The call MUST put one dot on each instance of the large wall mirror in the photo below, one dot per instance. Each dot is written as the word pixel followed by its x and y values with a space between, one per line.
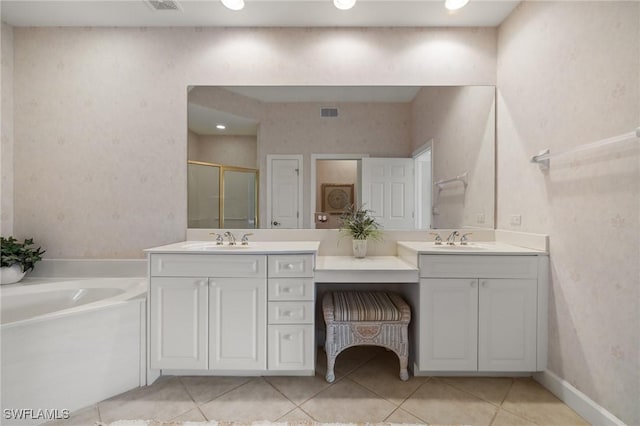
pixel 419 157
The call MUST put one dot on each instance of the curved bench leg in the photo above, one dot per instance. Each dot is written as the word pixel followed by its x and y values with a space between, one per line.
pixel 331 361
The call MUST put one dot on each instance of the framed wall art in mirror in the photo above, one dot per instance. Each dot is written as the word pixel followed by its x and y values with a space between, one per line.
pixel 336 197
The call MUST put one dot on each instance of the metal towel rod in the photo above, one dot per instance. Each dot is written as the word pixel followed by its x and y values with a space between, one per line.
pixel 543 158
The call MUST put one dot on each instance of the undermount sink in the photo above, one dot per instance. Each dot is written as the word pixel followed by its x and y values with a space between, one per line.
pixel 213 246
pixel 469 247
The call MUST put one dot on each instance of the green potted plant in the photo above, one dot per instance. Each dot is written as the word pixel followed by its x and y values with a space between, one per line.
pixel 17 259
pixel 358 223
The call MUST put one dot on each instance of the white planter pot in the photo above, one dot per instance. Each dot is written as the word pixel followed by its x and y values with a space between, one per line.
pixel 359 248
pixel 11 274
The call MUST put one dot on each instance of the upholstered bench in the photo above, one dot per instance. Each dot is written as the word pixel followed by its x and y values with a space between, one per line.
pixel 375 318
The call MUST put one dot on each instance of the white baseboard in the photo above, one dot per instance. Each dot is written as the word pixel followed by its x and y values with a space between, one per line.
pixel 579 402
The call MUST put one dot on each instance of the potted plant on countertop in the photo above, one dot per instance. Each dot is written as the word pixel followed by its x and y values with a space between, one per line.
pixel 17 259
pixel 358 223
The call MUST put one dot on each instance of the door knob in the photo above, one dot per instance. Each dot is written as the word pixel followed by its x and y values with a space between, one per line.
pixel 275 223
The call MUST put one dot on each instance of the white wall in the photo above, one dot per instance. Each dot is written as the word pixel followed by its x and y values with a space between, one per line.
pixel 569 74
pixel 102 175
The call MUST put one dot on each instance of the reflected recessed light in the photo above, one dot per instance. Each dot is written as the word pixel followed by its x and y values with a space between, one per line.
pixel 455 4
pixel 344 4
pixel 233 4
pixel 221 126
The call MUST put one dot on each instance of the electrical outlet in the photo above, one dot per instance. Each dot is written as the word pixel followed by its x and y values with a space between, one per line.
pixel 516 220
pixel 480 218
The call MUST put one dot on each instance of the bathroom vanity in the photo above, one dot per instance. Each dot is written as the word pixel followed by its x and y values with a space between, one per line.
pixel 482 307
pixel 231 310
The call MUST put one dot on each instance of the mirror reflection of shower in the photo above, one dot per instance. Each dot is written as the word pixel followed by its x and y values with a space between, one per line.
pixel 222 196
pixel 222 181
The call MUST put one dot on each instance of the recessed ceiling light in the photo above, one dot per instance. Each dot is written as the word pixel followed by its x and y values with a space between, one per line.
pixel 455 4
pixel 221 126
pixel 344 4
pixel 234 4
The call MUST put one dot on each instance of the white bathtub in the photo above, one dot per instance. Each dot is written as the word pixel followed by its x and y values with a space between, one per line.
pixel 67 344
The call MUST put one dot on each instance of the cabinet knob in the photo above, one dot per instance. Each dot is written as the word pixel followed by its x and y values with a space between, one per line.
pixel 286 313
pixel 472 284
pixel 484 284
pixel 213 283
pixel 286 337
pixel 286 289
pixel 288 266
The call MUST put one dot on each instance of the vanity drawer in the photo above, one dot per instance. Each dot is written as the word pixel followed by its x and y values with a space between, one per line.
pixel 478 266
pixel 207 265
pixel 296 265
pixel 290 289
pixel 290 312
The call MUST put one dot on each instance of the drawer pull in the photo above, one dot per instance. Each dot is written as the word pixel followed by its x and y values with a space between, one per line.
pixel 286 290
pixel 286 313
pixel 287 337
pixel 288 266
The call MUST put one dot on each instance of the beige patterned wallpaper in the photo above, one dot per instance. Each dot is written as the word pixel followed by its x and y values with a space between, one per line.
pixel 6 130
pixel 461 122
pixel 569 74
pixel 100 143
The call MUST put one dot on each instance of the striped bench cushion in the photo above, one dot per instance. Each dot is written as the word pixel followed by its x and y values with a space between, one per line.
pixel 364 306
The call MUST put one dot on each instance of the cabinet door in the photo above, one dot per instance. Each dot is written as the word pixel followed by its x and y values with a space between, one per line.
pixel 507 325
pixel 291 347
pixel 448 324
pixel 238 323
pixel 179 321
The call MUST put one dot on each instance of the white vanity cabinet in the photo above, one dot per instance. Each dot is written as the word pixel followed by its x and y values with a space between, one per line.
pixel 208 311
pixel 291 313
pixel 482 313
pixel 232 313
pixel 179 322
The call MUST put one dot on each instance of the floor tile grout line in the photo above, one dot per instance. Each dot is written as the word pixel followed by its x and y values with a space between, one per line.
pixel 506 395
pixel 279 391
pixel 413 393
pixel 250 379
pixel 186 389
pixel 478 396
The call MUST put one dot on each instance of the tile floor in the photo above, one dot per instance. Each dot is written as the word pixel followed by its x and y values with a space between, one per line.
pixel 367 389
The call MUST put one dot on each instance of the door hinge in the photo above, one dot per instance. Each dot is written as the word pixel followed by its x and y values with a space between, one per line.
pixel 297 171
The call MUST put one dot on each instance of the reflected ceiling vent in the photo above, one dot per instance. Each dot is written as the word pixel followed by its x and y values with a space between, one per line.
pixel 163 4
pixel 328 112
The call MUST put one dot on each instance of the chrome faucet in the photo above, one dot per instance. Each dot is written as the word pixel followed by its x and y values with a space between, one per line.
pixel 245 239
pixel 219 239
pixel 232 238
pixel 438 240
pixel 464 240
pixel 451 239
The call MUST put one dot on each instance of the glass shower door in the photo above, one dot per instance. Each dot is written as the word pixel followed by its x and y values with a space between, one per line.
pixel 203 199
pixel 240 198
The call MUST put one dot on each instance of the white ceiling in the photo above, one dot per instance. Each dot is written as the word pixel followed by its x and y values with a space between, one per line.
pixel 203 121
pixel 257 13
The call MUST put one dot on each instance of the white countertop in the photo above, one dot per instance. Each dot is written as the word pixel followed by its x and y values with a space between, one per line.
pixel 473 248
pixel 254 247
pixel 371 269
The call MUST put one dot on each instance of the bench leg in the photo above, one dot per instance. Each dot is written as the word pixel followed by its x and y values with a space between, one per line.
pixel 404 374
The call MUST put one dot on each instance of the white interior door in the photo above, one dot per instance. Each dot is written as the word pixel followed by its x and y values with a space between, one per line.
pixel 388 191
pixel 285 192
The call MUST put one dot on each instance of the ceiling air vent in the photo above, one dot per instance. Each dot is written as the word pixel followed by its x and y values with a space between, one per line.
pixel 163 5
pixel 328 112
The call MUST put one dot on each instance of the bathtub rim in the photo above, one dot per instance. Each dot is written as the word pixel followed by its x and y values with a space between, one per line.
pixel 136 290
